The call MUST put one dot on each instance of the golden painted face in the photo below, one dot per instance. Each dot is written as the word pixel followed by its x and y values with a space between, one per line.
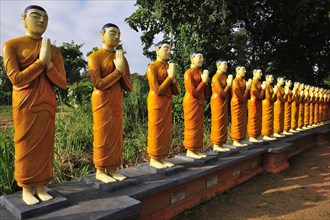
pixel 280 81
pixel 35 21
pixel 288 83
pixel 223 66
pixel 258 74
pixel 270 79
pixel 241 71
pixel 111 37
pixel 164 52
pixel 197 60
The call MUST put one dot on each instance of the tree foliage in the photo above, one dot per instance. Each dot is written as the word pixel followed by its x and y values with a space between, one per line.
pixel 290 38
pixel 74 61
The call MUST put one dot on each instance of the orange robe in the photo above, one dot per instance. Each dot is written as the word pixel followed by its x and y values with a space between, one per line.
pixel 316 110
pixel 34 106
pixel 306 111
pixel 287 112
pixel 311 110
pixel 279 110
pixel 107 108
pixel 327 110
pixel 193 109
pixel 321 109
pixel 268 111
pixel 238 106
pixel 160 109
pixel 301 111
pixel 295 111
pixel 219 108
pixel 255 109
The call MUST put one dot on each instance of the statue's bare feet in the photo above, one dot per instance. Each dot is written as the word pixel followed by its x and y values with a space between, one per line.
pixel 157 164
pixel 114 174
pixel 193 154
pixel 28 196
pixel 239 144
pixel 267 138
pixel 103 177
pixel 42 194
pixel 167 163
pixel 220 148
pixel 254 140
pixel 200 154
pixel 278 135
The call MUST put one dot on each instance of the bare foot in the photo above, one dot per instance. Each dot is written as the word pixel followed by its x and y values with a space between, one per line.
pixel 278 135
pixel 193 154
pixel 42 194
pixel 220 148
pixel 287 133
pixel 103 177
pixel 116 175
pixel 239 144
pixel 254 140
pixel 28 196
pixel 157 164
pixel 167 163
pixel 267 138
pixel 200 154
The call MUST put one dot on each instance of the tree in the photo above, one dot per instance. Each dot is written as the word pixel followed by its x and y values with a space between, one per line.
pixel 5 85
pixel 74 61
pixel 289 38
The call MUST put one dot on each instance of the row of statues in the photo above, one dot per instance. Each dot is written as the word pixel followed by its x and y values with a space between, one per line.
pixel 35 67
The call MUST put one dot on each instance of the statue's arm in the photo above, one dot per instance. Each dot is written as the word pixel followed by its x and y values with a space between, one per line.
pixel 17 76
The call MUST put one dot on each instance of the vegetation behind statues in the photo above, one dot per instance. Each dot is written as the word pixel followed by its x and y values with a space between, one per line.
pixel 280 37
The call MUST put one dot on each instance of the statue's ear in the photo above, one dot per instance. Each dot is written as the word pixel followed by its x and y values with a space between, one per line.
pixel 102 32
pixel 23 19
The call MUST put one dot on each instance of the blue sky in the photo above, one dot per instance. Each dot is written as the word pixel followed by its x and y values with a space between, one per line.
pixel 80 21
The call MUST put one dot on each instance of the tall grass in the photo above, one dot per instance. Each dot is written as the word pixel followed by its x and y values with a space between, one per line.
pixel 73 144
pixel 7 181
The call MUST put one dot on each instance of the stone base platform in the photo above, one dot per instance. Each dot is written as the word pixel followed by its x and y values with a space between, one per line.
pixel 149 193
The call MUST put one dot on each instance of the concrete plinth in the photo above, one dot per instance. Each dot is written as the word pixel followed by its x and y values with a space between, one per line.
pixel 196 162
pixel 16 206
pixel 162 172
pixel 150 193
pixel 91 180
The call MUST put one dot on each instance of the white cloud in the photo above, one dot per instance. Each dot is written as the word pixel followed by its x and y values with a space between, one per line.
pixel 80 21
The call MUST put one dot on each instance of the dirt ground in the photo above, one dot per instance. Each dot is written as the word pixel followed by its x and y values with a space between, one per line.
pixel 300 192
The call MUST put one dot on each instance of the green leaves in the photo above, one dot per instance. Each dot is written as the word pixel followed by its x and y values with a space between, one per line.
pixel 286 37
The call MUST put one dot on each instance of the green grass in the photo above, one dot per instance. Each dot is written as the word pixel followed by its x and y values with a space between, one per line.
pixel 7 182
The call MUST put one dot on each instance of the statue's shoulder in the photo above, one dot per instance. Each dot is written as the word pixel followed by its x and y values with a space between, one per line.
pixel 15 42
pixel 96 54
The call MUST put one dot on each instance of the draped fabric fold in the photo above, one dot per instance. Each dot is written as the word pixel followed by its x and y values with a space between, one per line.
pixel 219 108
pixel 34 105
pixel 107 108
pixel 255 109
pixel 238 107
pixel 287 112
pixel 268 112
pixel 160 110
pixel 193 109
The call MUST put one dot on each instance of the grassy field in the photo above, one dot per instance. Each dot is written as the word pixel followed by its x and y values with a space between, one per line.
pixel 74 142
